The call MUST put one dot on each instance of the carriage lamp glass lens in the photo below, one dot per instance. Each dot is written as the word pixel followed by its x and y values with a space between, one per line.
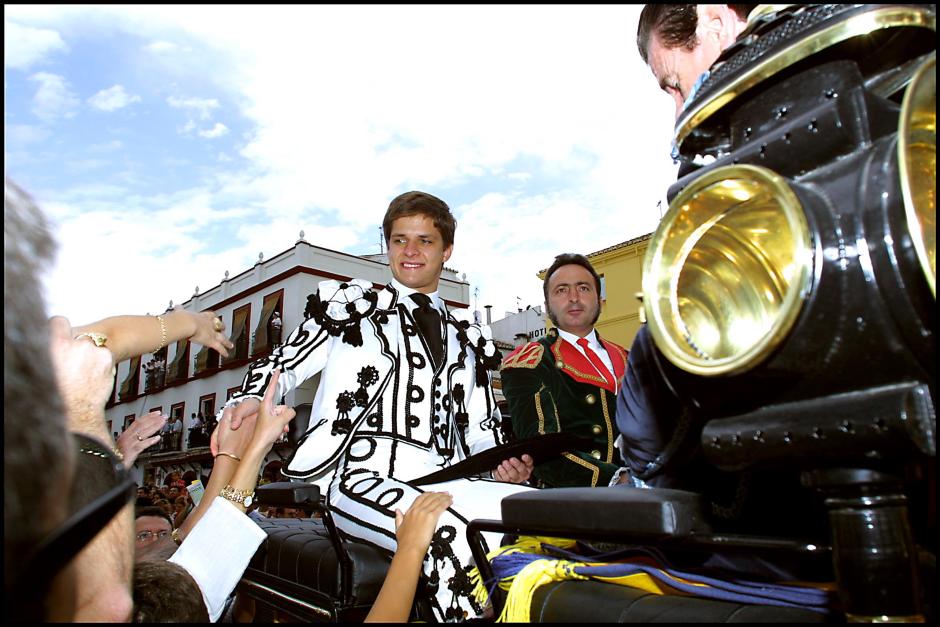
pixel 917 161
pixel 727 271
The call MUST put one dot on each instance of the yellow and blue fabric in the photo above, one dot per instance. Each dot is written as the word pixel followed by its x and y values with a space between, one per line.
pixel 523 567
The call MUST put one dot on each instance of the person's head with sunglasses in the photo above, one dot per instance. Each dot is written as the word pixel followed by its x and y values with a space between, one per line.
pixel 34 426
pixel 67 540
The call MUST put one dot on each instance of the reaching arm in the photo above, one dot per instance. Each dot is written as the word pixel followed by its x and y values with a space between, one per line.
pixel 231 442
pixel 303 355
pixel 414 530
pixel 272 422
pixel 130 336
pixel 144 434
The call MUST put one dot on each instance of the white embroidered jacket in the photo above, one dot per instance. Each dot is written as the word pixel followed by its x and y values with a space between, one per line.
pixel 378 381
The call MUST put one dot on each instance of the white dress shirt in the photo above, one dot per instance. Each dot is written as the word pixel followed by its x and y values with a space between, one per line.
pixel 404 292
pixel 593 344
pixel 217 550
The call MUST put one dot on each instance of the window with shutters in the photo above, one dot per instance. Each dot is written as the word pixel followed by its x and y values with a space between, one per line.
pixel 207 405
pixel 206 359
pixel 268 332
pixel 178 369
pixel 240 332
pixel 131 383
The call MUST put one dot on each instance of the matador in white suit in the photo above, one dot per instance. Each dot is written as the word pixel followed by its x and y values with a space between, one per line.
pixel 393 404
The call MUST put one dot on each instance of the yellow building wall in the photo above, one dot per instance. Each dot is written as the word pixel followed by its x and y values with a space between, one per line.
pixel 621 266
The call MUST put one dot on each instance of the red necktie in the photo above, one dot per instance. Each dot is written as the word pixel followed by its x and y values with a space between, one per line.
pixel 592 356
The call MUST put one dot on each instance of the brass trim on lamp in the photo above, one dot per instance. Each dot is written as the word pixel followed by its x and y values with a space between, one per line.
pixel 917 165
pixel 727 271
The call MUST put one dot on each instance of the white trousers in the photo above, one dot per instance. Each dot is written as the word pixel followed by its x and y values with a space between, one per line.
pixel 363 504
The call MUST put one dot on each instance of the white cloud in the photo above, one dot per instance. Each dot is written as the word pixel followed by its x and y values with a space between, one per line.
pixel 160 46
pixel 203 106
pixel 112 99
pixel 216 131
pixel 107 232
pixel 24 46
pixel 53 98
pixel 556 111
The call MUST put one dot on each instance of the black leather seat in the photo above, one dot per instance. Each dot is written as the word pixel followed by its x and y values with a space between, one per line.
pixel 300 550
pixel 298 572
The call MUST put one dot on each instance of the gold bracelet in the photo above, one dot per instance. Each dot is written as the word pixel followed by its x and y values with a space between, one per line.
pixel 235 457
pixel 162 332
pixel 117 453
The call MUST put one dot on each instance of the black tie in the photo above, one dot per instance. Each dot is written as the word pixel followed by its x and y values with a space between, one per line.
pixel 429 321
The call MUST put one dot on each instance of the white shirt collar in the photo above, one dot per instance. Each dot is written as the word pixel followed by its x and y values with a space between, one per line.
pixel 590 337
pixel 404 292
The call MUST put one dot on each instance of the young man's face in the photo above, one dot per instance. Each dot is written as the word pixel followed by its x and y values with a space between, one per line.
pixel 573 302
pixel 416 252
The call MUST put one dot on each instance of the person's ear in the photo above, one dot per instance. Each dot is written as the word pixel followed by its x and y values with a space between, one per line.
pixel 448 251
pixel 721 22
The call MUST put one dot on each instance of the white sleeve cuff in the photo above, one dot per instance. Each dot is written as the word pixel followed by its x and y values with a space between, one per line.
pixel 217 550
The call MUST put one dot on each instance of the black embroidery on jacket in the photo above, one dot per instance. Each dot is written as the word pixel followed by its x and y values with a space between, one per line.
pixel 344 404
pixel 345 320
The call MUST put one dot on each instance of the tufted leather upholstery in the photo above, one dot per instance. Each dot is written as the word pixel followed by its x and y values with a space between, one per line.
pixel 300 551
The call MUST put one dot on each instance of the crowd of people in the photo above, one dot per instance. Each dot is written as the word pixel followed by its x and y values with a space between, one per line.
pixel 405 390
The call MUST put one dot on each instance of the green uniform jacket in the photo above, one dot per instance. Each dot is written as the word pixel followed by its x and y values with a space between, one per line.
pixel 552 387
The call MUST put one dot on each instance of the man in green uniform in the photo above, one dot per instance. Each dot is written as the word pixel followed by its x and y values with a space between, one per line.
pixel 568 381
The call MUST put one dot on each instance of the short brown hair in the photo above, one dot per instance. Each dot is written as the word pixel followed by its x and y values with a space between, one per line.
pixel 415 203
pixel 164 592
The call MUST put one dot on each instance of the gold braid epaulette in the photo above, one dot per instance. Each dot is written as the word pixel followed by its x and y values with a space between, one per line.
pixel 527 356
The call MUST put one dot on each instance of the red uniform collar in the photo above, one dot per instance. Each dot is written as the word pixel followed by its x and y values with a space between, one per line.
pixel 573 362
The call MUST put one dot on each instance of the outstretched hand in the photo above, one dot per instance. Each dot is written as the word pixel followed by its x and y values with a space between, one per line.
pixel 232 418
pixel 415 528
pixel 85 376
pixel 514 471
pixel 272 419
pixel 207 334
pixel 144 433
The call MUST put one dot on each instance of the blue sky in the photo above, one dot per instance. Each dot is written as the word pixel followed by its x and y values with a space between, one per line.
pixel 170 144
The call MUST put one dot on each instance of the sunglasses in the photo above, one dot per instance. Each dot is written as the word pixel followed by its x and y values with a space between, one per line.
pixel 102 486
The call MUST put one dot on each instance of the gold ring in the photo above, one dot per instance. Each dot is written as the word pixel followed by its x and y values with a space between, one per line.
pixel 219 325
pixel 100 339
pixel 139 439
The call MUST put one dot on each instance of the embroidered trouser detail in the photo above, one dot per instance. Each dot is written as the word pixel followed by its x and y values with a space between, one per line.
pixel 363 505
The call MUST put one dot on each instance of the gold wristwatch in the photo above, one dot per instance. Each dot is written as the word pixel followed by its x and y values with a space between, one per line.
pixel 239 497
